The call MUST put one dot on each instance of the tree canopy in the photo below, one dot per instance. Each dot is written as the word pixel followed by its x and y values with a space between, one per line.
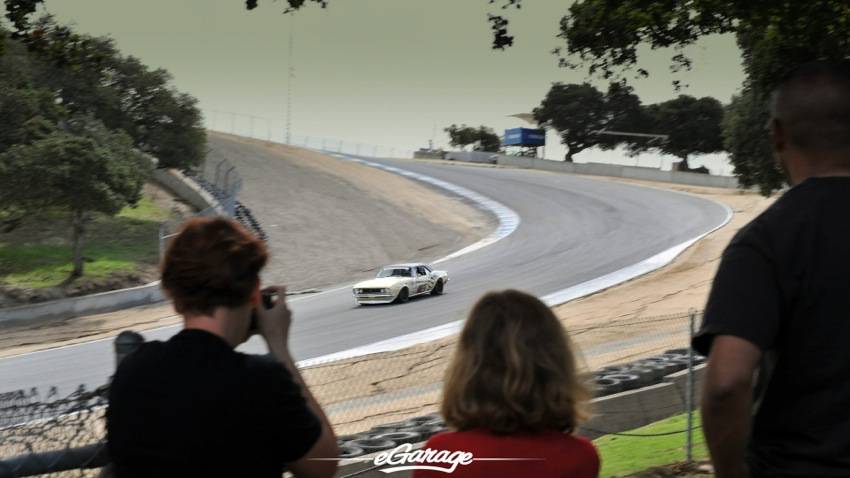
pixel 78 118
pixel 579 112
pixel 692 125
pixel 91 77
pixel 774 37
pixel 481 138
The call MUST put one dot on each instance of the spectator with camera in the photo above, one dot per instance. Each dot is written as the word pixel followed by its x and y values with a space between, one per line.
pixel 192 405
pixel 513 391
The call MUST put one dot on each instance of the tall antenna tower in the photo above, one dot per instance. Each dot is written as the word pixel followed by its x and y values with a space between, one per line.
pixel 289 80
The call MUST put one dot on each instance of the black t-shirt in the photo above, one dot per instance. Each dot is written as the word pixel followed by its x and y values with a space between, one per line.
pixel 192 406
pixel 784 285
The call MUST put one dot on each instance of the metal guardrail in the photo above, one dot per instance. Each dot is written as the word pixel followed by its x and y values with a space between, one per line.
pixel 223 182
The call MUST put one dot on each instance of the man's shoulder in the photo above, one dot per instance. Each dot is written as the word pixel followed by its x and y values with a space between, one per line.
pixel 147 354
pixel 781 215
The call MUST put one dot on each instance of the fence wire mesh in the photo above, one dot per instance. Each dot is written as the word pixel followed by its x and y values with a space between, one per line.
pixel 274 131
pixel 377 400
pixel 48 434
pixel 222 181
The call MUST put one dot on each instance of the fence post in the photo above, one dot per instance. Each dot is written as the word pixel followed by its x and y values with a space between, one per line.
pixel 161 241
pixel 689 389
pixel 126 343
pixel 217 171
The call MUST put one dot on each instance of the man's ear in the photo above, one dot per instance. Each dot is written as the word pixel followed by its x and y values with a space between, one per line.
pixel 255 295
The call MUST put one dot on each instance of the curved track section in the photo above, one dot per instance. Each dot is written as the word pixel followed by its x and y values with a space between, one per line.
pixel 573 230
pixel 508 219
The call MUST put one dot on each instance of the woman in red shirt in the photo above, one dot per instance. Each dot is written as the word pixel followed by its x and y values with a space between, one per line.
pixel 513 396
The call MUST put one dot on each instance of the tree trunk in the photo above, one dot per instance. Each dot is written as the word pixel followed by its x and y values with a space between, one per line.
pixel 77 231
pixel 568 157
pixel 683 165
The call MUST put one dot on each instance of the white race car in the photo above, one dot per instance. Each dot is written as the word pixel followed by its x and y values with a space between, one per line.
pixel 400 282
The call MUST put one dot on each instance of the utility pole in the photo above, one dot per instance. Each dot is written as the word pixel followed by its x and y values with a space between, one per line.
pixel 291 76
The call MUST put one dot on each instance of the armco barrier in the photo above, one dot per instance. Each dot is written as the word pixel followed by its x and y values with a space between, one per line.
pixel 86 304
pixel 184 188
pixel 619 171
pixel 472 157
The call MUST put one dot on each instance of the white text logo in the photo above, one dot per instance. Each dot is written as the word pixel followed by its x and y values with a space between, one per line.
pixel 401 458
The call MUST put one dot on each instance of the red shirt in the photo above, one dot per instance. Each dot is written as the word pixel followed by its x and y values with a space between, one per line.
pixel 560 455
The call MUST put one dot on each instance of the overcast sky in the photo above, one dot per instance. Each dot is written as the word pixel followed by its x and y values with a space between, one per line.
pixel 386 72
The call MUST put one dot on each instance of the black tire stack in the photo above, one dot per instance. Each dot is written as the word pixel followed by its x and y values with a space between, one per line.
pixel 641 373
pixel 390 435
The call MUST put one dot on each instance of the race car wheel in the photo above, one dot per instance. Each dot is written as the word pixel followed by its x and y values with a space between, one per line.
pixel 403 296
pixel 438 288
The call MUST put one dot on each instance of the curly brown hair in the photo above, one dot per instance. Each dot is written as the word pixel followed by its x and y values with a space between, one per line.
pixel 513 370
pixel 212 262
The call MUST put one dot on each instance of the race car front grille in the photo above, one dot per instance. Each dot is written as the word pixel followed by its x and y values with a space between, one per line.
pixel 369 291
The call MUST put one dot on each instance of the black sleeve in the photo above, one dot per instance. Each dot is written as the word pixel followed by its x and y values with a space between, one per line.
pixel 745 298
pixel 289 423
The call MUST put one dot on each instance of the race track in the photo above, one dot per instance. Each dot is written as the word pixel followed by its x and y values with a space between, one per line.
pixel 572 230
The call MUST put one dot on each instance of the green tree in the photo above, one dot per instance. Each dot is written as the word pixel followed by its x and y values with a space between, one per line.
pixel 28 111
pixel 693 126
pixel 91 77
pixel 81 168
pixel 488 140
pixel 481 138
pixel 579 112
pixel 745 136
pixel 576 112
pixel 461 136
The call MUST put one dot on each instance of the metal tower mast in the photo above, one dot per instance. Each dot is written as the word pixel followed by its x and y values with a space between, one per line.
pixel 291 76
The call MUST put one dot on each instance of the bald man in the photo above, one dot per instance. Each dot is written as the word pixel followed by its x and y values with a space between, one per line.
pixel 776 398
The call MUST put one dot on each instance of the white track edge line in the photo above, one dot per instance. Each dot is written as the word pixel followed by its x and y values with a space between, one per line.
pixel 508 219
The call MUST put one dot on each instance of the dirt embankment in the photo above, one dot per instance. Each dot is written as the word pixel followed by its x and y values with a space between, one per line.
pixel 327 220
pixel 331 221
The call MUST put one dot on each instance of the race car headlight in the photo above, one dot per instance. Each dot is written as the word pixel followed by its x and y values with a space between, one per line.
pixel 385 291
pixel 358 291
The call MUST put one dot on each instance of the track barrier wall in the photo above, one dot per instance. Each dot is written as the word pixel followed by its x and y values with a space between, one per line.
pixel 619 171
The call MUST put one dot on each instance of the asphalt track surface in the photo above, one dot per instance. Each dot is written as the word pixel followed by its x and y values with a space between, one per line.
pixel 573 229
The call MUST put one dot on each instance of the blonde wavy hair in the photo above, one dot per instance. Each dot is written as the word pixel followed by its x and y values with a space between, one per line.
pixel 514 370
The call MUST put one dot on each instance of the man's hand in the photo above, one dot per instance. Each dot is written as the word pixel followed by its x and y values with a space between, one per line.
pixel 274 326
pixel 274 323
pixel 727 403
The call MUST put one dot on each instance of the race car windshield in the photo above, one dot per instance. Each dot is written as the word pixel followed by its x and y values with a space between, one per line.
pixel 393 272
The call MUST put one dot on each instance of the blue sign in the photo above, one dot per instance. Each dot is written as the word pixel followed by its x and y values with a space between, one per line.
pixel 525 137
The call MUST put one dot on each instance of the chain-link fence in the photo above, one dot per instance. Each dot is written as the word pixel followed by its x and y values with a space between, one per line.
pixel 274 131
pixel 41 434
pixel 362 395
pixel 378 401
pixel 222 181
